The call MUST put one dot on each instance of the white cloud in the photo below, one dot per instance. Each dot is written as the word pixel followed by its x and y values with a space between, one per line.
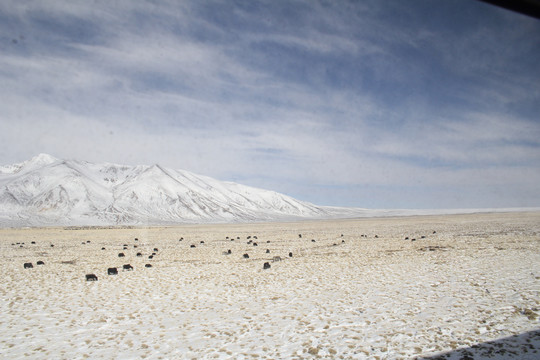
pixel 151 85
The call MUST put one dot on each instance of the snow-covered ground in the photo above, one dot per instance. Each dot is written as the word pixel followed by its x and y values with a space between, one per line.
pixel 471 279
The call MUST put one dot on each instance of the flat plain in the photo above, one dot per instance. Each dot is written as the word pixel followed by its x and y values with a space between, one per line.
pixel 386 288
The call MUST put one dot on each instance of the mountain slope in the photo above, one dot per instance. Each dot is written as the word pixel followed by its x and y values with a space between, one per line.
pixel 49 191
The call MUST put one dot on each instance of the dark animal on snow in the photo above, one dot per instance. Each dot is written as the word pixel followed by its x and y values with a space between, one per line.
pixel 28 265
pixel 127 267
pixel 148 266
pixel 229 251
pixel 121 255
pixel 300 235
pixel 112 271
pixel 139 254
pixel 156 249
pixel 40 262
pixel 246 256
pixel 102 248
pixel 290 254
pixel 266 266
pixel 151 257
pixel 255 244
pixel 91 277
pixel 268 251
pixel 192 246
pixel 33 242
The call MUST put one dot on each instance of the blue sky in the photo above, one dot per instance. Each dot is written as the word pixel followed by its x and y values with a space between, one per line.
pixel 378 104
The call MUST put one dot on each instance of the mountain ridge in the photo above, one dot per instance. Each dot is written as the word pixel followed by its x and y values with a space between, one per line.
pixel 49 191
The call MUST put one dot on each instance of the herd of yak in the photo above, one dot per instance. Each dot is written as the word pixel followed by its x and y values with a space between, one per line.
pixel 128 267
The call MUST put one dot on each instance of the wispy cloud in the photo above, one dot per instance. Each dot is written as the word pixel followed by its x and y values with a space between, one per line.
pixel 371 104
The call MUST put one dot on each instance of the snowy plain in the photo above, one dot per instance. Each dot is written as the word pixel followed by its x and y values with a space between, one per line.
pixel 369 294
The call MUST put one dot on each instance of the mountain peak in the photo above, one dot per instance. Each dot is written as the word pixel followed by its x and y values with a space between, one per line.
pixel 35 162
pixel 41 159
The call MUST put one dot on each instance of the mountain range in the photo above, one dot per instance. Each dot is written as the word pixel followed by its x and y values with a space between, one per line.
pixel 49 191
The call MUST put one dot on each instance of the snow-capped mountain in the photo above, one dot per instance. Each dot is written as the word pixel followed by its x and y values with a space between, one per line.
pixel 50 191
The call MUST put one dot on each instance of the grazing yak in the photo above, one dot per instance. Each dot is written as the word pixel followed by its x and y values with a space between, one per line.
pixel 112 271
pixel 266 265
pixel 91 277
pixel 139 254
pixel 40 262
pixel 148 266
pixel 121 255
pixel 246 256
pixel 127 267
pixel 28 265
